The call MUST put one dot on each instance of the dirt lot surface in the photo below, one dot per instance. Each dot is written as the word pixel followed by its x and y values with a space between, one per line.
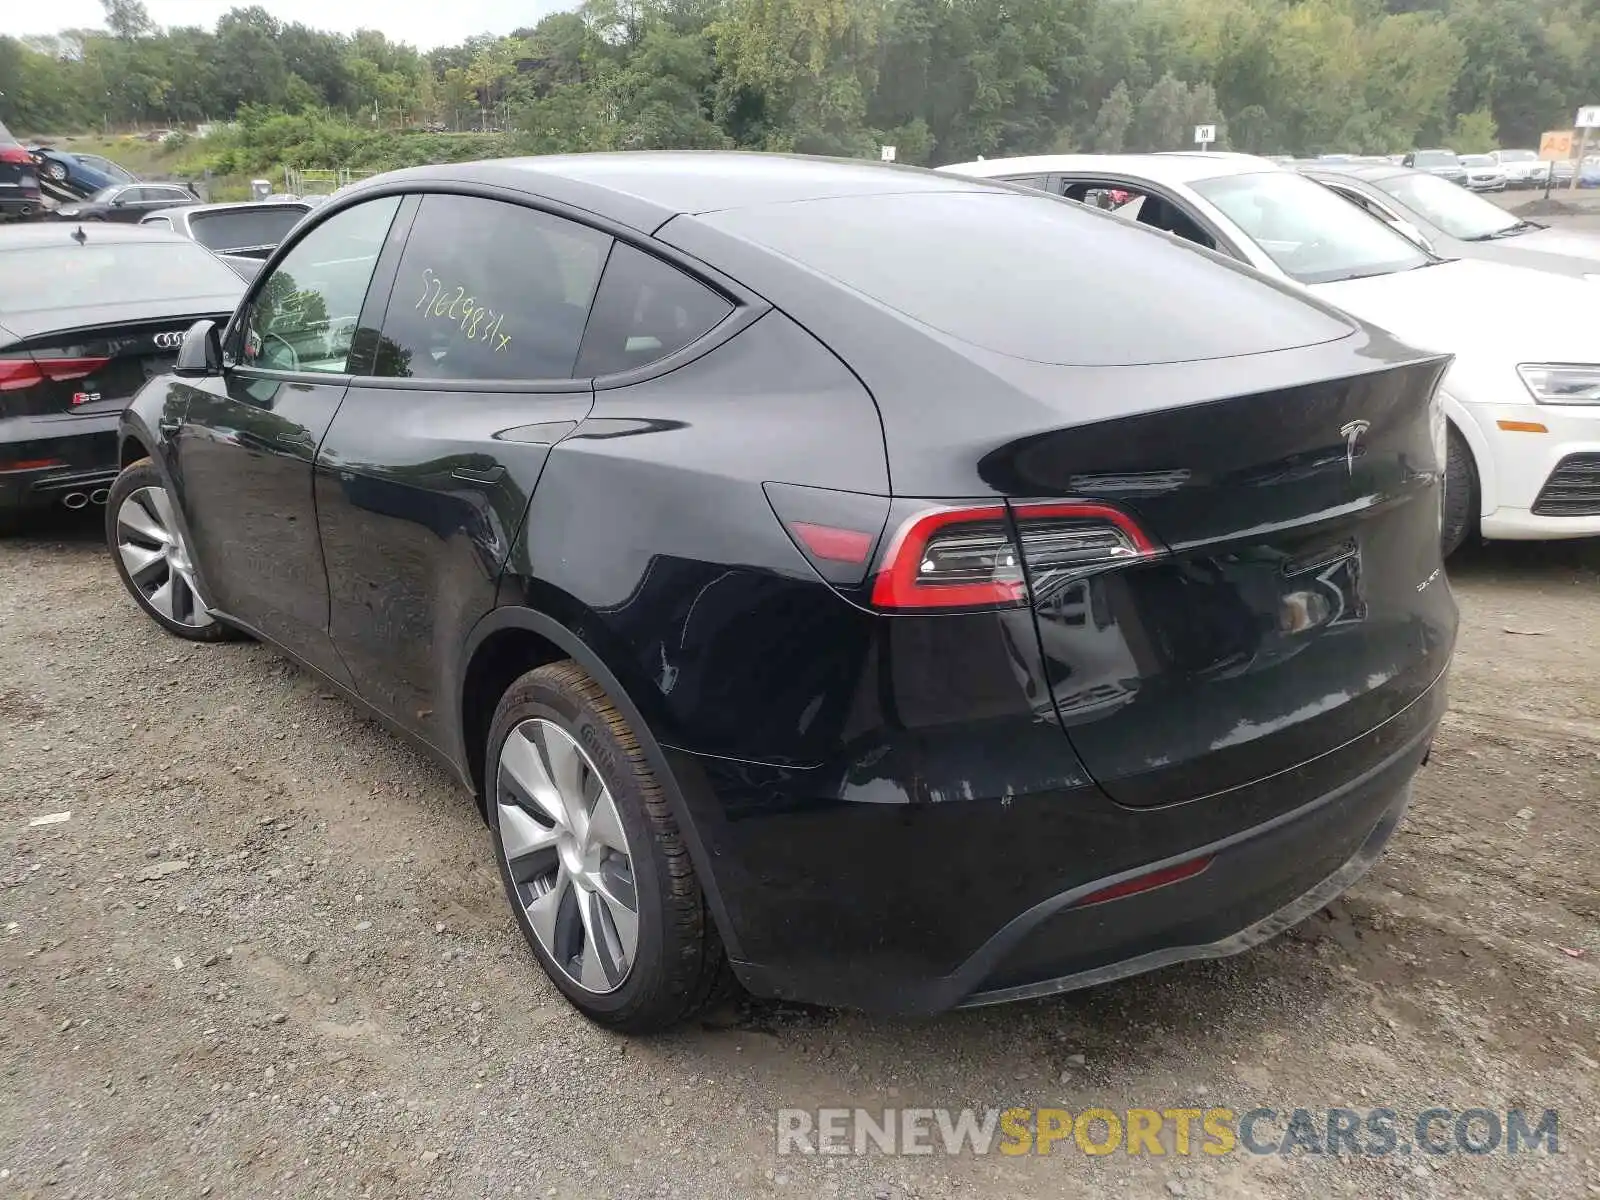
pixel 268 956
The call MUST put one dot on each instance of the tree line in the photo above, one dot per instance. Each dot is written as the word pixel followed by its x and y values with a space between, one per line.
pixel 941 80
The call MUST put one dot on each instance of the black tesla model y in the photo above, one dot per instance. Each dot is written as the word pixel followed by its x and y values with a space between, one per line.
pixel 885 588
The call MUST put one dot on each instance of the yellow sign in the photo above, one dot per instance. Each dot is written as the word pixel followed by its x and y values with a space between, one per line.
pixel 1556 145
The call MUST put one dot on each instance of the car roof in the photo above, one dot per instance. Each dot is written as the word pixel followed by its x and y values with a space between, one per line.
pixel 645 189
pixel 1181 166
pixel 55 233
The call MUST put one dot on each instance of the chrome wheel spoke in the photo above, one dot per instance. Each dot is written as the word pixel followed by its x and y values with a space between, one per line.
pixel 605 823
pixel 621 915
pixel 601 968
pixel 521 761
pixel 545 907
pixel 136 519
pixel 161 599
pixel 161 505
pixel 564 766
pixel 138 560
pixel 529 844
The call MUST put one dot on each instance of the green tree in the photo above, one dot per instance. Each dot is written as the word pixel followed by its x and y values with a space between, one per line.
pixel 1111 123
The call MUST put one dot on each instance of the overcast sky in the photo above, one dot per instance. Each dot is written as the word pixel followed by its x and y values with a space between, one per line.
pixel 424 25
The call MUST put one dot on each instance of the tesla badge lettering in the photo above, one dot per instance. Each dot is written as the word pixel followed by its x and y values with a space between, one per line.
pixel 169 341
pixel 1352 438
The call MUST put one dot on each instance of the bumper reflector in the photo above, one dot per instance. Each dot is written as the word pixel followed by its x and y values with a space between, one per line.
pixel 1145 883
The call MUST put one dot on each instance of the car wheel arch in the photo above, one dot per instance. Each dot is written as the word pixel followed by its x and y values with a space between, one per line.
pixel 539 634
pixel 1464 423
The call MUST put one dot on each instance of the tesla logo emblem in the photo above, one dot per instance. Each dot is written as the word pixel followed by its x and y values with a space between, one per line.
pixel 169 341
pixel 1352 438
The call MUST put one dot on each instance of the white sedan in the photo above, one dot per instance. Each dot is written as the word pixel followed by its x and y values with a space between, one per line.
pixel 1523 394
pixel 1484 173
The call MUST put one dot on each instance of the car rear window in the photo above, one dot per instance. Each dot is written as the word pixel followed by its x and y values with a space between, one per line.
pixel 44 278
pixel 1036 278
pixel 241 228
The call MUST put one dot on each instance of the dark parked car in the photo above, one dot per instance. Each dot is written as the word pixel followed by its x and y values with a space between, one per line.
pixel 87 316
pixel 19 180
pixel 243 235
pixel 79 174
pixel 1446 164
pixel 1454 223
pixel 797 601
pixel 128 202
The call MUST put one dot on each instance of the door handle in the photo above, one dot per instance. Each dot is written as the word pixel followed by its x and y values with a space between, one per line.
pixel 301 439
pixel 488 475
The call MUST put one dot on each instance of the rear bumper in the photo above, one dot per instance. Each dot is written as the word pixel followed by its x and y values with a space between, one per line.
pixel 83 450
pixel 1330 822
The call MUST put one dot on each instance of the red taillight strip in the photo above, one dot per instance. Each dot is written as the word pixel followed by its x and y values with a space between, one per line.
pixel 26 372
pixel 63 369
pixel 898 586
pixel 1144 883
pixel 18 373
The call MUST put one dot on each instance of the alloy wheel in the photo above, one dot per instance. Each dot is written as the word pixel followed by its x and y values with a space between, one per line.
pixel 157 559
pixel 567 854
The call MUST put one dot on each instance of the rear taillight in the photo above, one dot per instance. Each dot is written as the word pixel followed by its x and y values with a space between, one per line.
pixel 969 558
pixel 19 373
pixel 1062 542
pixel 15 154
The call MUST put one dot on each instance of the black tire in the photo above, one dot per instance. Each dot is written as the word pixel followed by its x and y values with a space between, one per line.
pixel 1460 495
pixel 136 477
pixel 679 965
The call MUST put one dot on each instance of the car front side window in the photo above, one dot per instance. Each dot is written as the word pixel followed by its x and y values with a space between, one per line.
pixel 304 315
pixel 490 290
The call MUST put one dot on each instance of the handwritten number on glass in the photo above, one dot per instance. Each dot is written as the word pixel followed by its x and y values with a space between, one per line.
pixel 479 324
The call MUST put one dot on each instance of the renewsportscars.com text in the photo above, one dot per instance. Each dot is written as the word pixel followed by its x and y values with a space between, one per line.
pixel 1371 1132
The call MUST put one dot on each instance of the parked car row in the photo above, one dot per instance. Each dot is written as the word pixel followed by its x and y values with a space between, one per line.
pixel 883 587
pixel 1522 395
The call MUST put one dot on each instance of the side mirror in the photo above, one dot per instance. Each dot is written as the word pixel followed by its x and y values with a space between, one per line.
pixel 1414 234
pixel 201 351
pixel 119 201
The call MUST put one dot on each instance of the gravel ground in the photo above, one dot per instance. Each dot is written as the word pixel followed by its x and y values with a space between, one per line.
pixel 268 955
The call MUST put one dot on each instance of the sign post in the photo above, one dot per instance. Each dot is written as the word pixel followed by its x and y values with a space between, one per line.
pixel 886 153
pixel 1204 135
pixel 1588 118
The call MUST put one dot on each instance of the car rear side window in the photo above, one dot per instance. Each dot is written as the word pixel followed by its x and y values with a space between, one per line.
pixel 645 310
pixel 490 290
pixel 304 315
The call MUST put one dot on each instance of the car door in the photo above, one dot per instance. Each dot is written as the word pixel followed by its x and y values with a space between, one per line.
pixel 128 205
pixel 245 451
pixel 425 475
